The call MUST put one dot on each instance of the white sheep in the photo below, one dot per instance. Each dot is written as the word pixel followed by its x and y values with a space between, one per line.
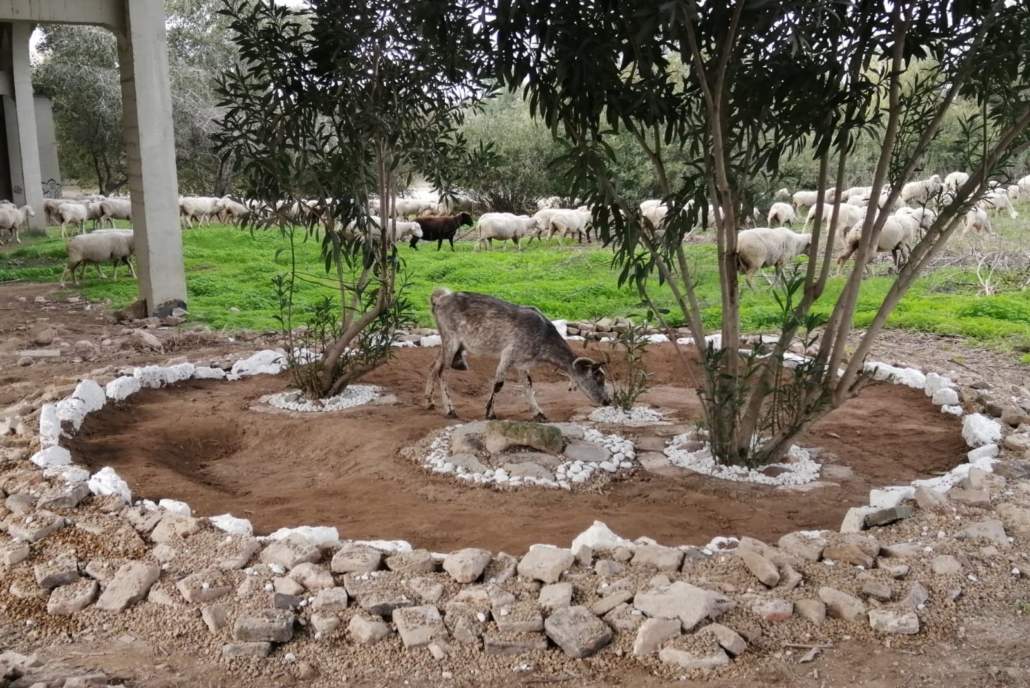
pixel 782 195
pixel 406 207
pixel 781 214
pixel 923 191
pixel 70 213
pixel 897 236
pixel 112 209
pixel 1024 185
pixel 549 203
pixel 198 209
pixel 655 214
pixel 570 223
pixel 13 218
pixel 998 200
pixel 764 246
pixel 847 217
pixel 231 211
pixel 857 195
pixel 977 220
pixel 504 226
pixel 954 180
pixel 923 216
pixel 116 245
pixel 1015 193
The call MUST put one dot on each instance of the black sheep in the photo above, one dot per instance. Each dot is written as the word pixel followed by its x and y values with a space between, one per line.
pixel 440 227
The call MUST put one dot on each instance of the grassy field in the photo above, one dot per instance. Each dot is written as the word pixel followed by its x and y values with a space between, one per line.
pixel 229 274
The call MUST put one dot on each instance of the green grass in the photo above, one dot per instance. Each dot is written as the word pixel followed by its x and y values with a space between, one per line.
pixel 229 274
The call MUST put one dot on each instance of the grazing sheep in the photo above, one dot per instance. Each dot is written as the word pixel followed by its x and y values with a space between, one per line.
pixel 112 209
pixel 1015 193
pixel 12 218
pixel 954 180
pixel 231 211
pixel 72 214
pixel 115 245
pixel 520 337
pixel 549 203
pixel 543 221
pixel 998 200
pixel 655 214
pixel 781 214
pixel 977 220
pixel 439 227
pixel 504 226
pixel 847 217
pixel 50 206
pixel 198 209
pixel 924 216
pixel 857 195
pixel 782 195
pixel 570 223
pixel 897 236
pixel 1024 185
pixel 764 246
pixel 405 207
pixel 923 191
pixel 405 230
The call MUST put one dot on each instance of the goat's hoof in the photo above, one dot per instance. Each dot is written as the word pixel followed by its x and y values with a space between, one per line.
pixel 452 414
pixel 491 416
pixel 540 418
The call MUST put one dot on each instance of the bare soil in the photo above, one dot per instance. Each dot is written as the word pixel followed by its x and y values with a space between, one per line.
pixel 202 442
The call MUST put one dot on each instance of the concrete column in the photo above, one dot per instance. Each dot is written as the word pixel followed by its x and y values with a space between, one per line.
pixel 28 185
pixel 150 153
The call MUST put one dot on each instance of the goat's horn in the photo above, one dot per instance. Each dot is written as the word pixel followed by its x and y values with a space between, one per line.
pixel 582 358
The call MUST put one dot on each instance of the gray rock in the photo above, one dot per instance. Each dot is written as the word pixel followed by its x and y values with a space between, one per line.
pixel 803 545
pixel 917 596
pixel 611 601
pixel 893 570
pixel 129 585
pixel 903 550
pixel 513 616
pixel 467 565
pixel 556 595
pixel 366 631
pixel 203 586
pixel 426 589
pixel 624 618
pixel 654 633
pixel 280 600
pixel 1015 518
pixel 729 639
pixel 882 517
pixel 141 519
pixel 356 559
pixel 419 626
pixel 324 623
pixel 945 565
pixel 330 600
pixel 74 597
pixel 539 458
pixel 760 567
pixel 854 519
pixel 773 609
pixel 466 622
pixel 500 569
pixel 812 610
pixel 384 602
pixel 469 462
pixel 312 576
pixel 691 660
pixel 241 650
pixel 509 645
pixel 528 470
pixel 504 434
pixel 683 601
pixel 991 530
pixel 974 498
pixel 789 578
pixel 415 561
pixel 67 496
pixel 214 617
pixel 173 527
pixel 930 500
pixel 848 554
pixel 841 605
pixel 545 563
pixel 902 622
pixel 35 527
pixel 264 625
pixel 468 438
pixel 877 590
pixel 607 568
pixel 577 632
pixel 587 452
pixel 661 558
pixel 287 586
pixel 12 553
pixel 61 570
pixel 290 551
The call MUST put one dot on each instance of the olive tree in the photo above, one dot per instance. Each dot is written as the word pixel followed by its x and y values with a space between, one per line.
pixel 734 89
pixel 326 107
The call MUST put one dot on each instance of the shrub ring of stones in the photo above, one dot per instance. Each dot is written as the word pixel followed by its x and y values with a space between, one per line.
pixel 294 400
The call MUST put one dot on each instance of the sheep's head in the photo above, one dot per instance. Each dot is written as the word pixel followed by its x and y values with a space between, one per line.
pixel 590 377
pixel 804 242
pixel 464 219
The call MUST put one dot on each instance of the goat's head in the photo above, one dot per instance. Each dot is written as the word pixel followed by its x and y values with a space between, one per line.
pixel 590 377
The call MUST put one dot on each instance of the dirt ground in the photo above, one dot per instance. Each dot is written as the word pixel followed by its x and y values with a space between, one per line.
pixel 201 442
pixel 986 644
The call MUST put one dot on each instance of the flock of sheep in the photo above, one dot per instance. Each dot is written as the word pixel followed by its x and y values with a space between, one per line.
pixel 428 218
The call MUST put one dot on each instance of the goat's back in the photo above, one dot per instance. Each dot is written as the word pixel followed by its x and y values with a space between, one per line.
pixel 487 325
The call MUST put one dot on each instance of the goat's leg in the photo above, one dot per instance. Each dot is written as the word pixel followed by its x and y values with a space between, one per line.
pixel 499 375
pixel 527 385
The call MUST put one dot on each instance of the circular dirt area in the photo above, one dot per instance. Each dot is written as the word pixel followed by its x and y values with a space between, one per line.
pixel 202 442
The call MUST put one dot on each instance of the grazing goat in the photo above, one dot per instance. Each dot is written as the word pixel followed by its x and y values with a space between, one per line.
pixel 519 336
pixel 439 227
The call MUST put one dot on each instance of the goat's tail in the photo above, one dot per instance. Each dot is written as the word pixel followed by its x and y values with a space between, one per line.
pixel 438 294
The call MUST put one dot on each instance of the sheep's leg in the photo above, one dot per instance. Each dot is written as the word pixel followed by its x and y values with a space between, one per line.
pixel 99 271
pixel 65 272
pixel 132 269
pixel 450 240
pixel 527 385
pixel 499 375
pixel 114 275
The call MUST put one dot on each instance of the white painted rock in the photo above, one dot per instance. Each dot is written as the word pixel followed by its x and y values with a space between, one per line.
pixel 945 396
pixel 430 340
pixel 178 373
pixel 121 388
pixel 267 362
pixel 232 525
pixel 320 536
pixel 979 430
pixel 208 373
pixel 52 457
pixel 49 425
pixel 889 497
pixel 91 395
pixel 107 482
pixel 599 537
pixel 71 410
pixel 175 506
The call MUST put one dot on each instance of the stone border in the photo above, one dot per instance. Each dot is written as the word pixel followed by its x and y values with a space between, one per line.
pixel 980 432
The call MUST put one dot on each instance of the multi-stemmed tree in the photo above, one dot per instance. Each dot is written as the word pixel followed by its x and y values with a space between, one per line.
pixel 326 107
pixel 734 89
